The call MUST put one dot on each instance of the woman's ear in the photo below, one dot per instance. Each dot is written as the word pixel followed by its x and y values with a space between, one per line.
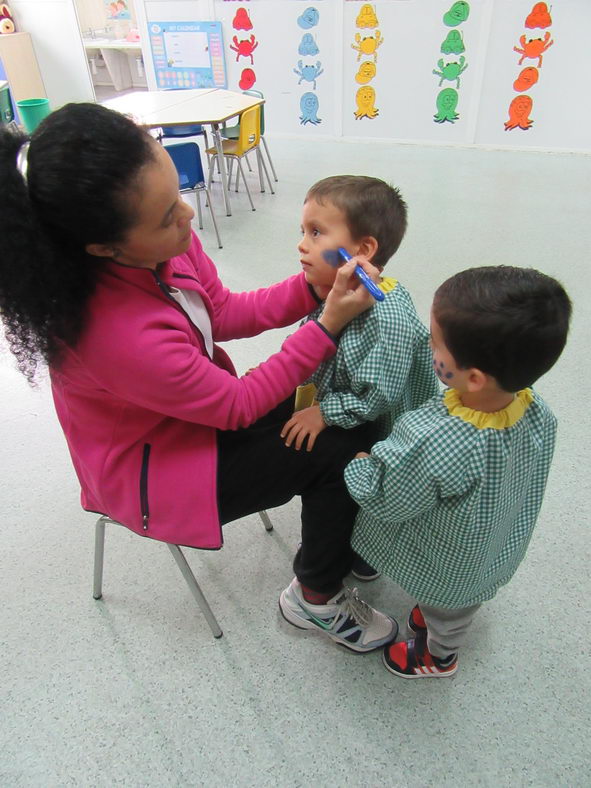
pixel 368 246
pixel 102 250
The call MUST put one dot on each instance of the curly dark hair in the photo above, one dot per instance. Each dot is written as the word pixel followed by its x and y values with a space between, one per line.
pixel 82 164
pixel 511 323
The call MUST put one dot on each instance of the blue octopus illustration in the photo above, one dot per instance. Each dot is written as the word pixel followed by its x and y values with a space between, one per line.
pixel 307 45
pixel 309 109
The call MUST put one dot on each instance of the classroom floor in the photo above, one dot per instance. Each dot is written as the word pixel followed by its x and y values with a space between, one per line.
pixel 133 690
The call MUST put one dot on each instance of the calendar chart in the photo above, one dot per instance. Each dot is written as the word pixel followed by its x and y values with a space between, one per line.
pixel 188 54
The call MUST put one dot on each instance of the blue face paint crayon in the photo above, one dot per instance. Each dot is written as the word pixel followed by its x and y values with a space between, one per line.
pixel 335 256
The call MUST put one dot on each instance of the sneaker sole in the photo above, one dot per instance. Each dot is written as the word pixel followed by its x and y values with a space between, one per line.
pixel 427 675
pixel 300 623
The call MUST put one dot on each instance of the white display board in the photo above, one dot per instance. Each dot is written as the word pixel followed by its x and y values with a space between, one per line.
pixel 345 68
pixel 303 91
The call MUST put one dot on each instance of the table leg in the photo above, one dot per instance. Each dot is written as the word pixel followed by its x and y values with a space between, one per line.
pixel 222 163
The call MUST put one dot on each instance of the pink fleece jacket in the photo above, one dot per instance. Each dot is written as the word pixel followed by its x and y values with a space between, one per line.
pixel 140 401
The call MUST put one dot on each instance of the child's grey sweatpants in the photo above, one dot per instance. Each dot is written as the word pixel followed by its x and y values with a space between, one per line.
pixel 446 628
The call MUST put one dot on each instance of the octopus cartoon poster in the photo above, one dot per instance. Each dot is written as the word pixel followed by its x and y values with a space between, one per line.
pixel 188 54
pixel 533 92
pixel 289 51
pixel 409 69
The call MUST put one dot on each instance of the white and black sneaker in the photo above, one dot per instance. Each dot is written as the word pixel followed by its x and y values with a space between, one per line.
pixel 345 618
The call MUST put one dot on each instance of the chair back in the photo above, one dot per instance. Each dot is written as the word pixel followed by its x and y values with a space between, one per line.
pixel 182 131
pixel 186 157
pixel 250 130
pixel 258 94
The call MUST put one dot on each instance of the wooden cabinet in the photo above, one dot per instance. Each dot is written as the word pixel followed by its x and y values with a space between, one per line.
pixel 18 65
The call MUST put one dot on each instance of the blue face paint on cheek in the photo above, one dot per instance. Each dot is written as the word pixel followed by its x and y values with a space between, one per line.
pixel 441 372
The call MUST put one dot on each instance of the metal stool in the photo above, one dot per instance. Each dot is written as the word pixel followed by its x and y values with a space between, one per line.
pixel 179 557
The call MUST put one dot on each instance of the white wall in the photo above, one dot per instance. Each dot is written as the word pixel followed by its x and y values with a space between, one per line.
pixel 53 27
pixel 406 90
pixel 405 87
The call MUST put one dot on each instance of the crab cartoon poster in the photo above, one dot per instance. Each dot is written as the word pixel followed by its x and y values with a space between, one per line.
pixel 404 64
pixel 287 50
pixel 443 71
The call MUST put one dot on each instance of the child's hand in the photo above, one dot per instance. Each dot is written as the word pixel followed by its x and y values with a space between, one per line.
pixel 306 423
pixel 361 455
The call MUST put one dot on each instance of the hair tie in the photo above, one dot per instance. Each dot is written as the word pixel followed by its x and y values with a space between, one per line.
pixel 22 160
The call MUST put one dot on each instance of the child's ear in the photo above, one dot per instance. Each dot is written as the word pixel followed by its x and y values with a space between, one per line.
pixel 477 380
pixel 368 246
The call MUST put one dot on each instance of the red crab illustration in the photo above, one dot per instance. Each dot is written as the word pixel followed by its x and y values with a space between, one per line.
pixel 245 48
pixel 534 48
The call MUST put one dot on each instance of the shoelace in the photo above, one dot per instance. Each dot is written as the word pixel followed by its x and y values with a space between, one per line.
pixel 355 607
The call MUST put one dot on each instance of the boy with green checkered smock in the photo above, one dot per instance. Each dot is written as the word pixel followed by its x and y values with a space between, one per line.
pixel 449 500
pixel 382 367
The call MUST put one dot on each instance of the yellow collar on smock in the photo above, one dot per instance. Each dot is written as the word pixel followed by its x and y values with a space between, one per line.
pixel 387 284
pixel 498 420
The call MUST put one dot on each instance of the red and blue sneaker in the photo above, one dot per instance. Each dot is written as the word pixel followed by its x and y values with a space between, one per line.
pixel 411 659
pixel 416 622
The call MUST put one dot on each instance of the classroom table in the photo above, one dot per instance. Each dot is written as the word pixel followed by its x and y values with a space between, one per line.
pixel 206 106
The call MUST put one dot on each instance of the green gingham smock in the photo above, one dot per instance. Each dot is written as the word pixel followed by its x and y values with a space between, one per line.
pixel 383 365
pixel 450 499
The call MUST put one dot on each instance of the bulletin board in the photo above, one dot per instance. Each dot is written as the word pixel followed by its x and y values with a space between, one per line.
pixel 291 52
pixel 187 54
pixel 428 71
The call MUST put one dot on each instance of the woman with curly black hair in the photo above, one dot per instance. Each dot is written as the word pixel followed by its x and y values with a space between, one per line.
pixel 102 278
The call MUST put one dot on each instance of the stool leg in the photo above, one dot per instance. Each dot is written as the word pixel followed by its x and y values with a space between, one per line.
pixel 266 520
pixel 195 589
pixel 99 553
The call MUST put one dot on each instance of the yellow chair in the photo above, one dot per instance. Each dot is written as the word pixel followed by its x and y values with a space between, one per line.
pixel 236 150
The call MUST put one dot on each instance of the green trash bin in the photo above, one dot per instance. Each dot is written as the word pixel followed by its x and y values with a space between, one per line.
pixel 6 113
pixel 32 112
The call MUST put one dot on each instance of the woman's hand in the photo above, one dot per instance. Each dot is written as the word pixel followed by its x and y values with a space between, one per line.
pixel 348 297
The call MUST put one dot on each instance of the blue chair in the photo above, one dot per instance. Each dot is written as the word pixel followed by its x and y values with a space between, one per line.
pixel 187 160
pixel 174 132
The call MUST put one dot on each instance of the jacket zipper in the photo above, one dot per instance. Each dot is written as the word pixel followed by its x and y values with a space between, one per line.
pixel 144 486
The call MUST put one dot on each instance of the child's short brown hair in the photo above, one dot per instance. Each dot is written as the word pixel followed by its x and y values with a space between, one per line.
pixel 371 207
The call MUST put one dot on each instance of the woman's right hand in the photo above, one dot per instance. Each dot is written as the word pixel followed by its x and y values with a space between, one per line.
pixel 348 297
